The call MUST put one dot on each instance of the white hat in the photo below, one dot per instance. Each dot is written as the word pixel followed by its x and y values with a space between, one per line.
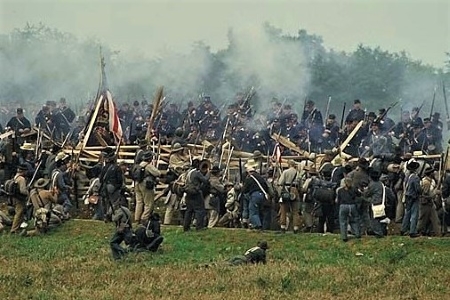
pixel 61 156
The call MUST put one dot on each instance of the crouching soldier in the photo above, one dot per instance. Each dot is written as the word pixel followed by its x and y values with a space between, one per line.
pixel 4 220
pixel 253 255
pixel 148 236
pixel 231 216
pixel 122 219
pixel 44 220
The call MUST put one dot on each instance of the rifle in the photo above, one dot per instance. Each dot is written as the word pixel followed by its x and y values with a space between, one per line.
pixel 343 114
pixel 228 164
pixel 248 97
pixel 327 111
pixel 379 118
pixel 446 105
pixel 281 107
pixel 432 103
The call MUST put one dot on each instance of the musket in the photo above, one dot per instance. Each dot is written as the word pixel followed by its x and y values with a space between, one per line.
pixel 343 115
pixel 281 107
pixel 228 163
pixel 432 102
pixel 379 118
pixel 249 96
pixel 327 111
pixel 446 105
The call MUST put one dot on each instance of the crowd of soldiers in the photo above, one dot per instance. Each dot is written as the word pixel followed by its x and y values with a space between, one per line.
pixel 376 167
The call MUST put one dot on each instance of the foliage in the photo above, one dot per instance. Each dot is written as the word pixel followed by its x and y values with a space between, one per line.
pixel 74 262
pixel 41 63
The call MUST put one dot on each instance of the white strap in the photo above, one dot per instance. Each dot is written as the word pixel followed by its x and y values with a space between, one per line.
pixel 262 189
pixel 384 195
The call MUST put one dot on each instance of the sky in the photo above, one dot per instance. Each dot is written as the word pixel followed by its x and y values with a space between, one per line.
pixel 421 28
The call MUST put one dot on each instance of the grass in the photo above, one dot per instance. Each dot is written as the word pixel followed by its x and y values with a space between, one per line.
pixel 74 262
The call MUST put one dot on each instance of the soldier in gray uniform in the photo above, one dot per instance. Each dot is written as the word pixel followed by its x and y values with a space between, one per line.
pixel 254 255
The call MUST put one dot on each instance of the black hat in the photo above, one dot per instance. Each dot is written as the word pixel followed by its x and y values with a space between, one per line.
pixel 357 101
pixel 263 245
pixel 22 167
pixel 136 103
pixel 412 165
pixel 332 116
pixel 363 163
pixel 436 115
pixel 372 114
pixel 427 120
pixel 374 174
pixel 310 103
pixel 428 170
pixel 62 100
pixel 148 155
pixel 20 110
pixel 275 120
pixel 416 125
pixel 382 111
pixel 207 98
pixel 215 170
pixel 293 116
pixel 375 124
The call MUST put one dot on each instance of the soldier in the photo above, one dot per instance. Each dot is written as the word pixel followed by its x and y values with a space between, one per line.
pixel 360 177
pixel 311 115
pixel 65 117
pixel 348 213
pixel 41 196
pixel 257 190
pixel 356 113
pixel 4 221
pixel 173 116
pixel 253 255
pixel 231 216
pixel 147 236
pixel 111 178
pixel 374 194
pixel 386 123
pixel 197 181
pixel 145 188
pixel 427 207
pixel 20 199
pixel 433 135
pixel 213 199
pixel 140 152
pixel 60 181
pixel 20 125
pixel 413 191
pixel 27 159
pixel 289 183
pixel 122 220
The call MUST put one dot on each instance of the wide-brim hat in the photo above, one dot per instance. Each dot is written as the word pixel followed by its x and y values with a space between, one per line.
pixel 251 163
pixel 27 147
pixel 148 155
pixel 177 147
pixel 61 156
pixel 412 165
pixel 41 183
pixel 257 154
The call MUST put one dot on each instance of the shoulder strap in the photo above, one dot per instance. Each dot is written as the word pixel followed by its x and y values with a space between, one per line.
pixel 383 198
pixel 40 199
pixel 260 186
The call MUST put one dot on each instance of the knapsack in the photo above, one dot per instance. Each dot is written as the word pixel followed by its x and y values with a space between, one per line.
pixel 11 187
pixel 138 173
pixel 324 191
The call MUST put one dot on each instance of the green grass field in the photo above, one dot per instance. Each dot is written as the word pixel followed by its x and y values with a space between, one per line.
pixel 74 262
